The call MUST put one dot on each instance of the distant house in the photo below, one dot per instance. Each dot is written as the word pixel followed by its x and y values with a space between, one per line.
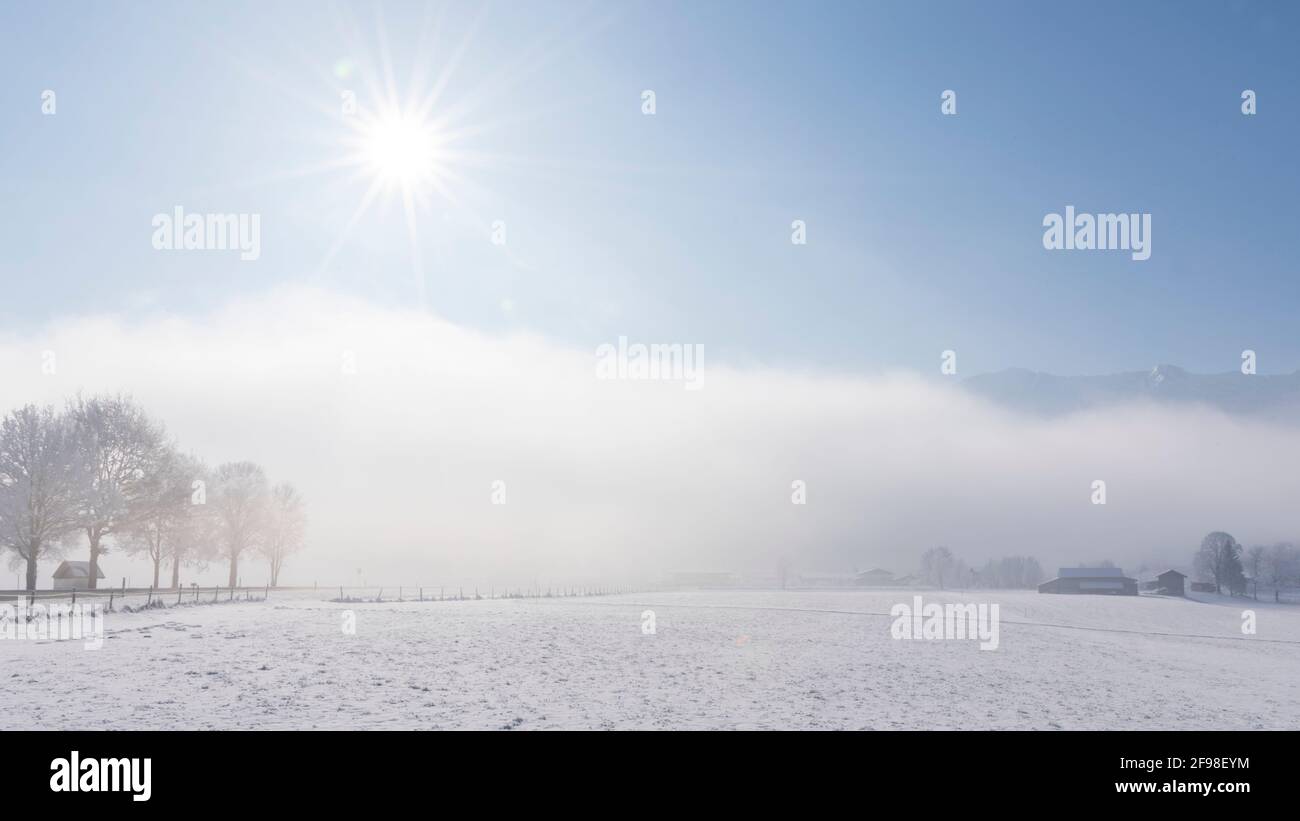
pixel 875 577
pixel 1104 581
pixel 1171 582
pixel 74 576
pixel 1202 587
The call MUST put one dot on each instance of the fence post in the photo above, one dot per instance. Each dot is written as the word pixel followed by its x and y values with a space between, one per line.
pixel 74 595
pixel 232 594
pixel 266 594
pixel 178 594
pixel 421 594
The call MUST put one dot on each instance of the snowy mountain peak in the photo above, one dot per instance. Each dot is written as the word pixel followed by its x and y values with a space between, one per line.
pixel 1163 373
pixel 1276 397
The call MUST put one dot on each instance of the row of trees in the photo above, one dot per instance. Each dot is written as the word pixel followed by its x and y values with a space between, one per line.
pixel 102 473
pixel 1223 561
pixel 941 568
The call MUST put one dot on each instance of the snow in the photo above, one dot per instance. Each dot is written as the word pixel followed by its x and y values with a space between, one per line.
pixel 717 659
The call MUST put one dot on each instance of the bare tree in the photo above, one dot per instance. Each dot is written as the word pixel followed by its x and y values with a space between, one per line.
pixel 120 450
pixel 936 563
pixel 239 499
pixel 1255 559
pixel 1281 565
pixel 165 526
pixel 39 484
pixel 1010 573
pixel 284 529
pixel 194 541
pixel 1219 560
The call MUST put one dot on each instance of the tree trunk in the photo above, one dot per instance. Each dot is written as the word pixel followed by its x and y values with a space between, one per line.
pixel 156 563
pixel 92 581
pixel 234 568
pixel 176 573
pixel 31 572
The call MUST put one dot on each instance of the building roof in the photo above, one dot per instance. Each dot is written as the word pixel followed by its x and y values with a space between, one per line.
pixel 1090 573
pixel 1167 572
pixel 76 570
pixel 876 571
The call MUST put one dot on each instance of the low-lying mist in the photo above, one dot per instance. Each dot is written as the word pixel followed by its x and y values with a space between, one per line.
pixel 403 431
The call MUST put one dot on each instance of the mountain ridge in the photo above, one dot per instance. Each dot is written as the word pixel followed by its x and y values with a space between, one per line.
pixel 1272 396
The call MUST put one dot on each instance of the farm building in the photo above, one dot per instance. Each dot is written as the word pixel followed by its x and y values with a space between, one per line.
pixel 74 576
pixel 1105 581
pixel 874 577
pixel 1170 582
pixel 1202 587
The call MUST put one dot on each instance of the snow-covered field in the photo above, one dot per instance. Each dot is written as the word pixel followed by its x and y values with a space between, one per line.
pixel 762 659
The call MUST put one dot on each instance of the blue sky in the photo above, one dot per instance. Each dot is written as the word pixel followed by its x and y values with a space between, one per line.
pixel 924 231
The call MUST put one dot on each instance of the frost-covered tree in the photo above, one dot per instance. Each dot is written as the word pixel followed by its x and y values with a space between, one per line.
pixel 1011 573
pixel 239 499
pixel 120 451
pixel 285 527
pixel 39 484
pixel 171 526
pixel 1219 560
pixel 1281 566
pixel 936 565
pixel 195 541
pixel 1255 558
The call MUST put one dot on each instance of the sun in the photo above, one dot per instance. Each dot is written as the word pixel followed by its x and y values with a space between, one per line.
pixel 400 150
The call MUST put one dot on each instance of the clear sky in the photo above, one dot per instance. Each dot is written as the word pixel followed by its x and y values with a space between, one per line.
pixel 924 231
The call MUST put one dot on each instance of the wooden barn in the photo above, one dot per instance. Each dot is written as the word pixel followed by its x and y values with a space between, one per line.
pixel 1099 581
pixel 74 576
pixel 1171 583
